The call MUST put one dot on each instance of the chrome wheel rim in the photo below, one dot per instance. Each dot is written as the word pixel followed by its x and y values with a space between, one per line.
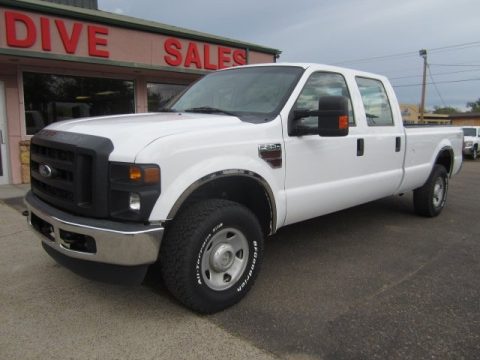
pixel 438 192
pixel 225 259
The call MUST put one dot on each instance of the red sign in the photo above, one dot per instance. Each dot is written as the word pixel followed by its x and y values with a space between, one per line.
pixel 97 35
pixel 66 36
pixel 178 55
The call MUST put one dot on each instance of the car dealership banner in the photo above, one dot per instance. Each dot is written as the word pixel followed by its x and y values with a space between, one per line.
pixel 51 35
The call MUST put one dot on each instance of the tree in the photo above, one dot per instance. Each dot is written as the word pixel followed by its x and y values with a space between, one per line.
pixel 474 106
pixel 448 110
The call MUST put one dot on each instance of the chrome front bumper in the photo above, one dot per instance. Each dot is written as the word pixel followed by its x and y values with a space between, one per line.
pixel 102 241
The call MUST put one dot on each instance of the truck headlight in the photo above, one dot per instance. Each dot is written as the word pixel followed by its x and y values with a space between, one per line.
pixel 134 190
pixel 468 144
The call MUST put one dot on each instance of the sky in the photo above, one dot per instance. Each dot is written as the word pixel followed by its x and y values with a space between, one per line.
pixel 380 36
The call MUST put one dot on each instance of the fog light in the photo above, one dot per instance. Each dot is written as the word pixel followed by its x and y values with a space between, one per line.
pixel 134 202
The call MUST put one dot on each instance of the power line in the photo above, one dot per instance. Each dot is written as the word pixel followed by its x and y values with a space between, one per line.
pixel 458 65
pixel 436 74
pixel 438 82
pixel 463 46
pixel 405 54
pixel 411 53
pixel 435 86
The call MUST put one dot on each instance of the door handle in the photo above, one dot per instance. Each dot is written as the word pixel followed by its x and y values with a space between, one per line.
pixel 360 147
pixel 398 144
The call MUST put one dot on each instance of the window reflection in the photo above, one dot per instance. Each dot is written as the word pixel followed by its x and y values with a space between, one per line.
pixel 160 94
pixel 50 98
pixel 375 101
pixel 321 84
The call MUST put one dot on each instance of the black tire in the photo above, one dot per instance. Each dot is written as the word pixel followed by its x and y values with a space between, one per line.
pixel 429 200
pixel 198 241
pixel 474 153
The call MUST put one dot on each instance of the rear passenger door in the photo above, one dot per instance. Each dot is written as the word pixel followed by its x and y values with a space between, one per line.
pixel 384 136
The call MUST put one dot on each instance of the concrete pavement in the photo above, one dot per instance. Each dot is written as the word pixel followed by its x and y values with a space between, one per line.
pixel 13 191
pixel 372 282
pixel 47 312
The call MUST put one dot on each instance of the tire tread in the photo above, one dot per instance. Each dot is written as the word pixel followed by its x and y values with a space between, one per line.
pixel 422 197
pixel 173 261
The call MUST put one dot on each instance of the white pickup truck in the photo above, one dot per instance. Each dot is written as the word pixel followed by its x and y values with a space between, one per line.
pixel 240 154
pixel 471 144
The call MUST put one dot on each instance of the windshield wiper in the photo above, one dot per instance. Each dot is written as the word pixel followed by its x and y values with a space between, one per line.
pixel 164 109
pixel 209 110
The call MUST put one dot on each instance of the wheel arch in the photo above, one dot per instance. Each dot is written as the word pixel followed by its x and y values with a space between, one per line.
pixel 245 187
pixel 445 157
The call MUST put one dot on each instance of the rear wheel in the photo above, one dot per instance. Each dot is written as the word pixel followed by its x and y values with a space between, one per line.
pixel 430 199
pixel 211 255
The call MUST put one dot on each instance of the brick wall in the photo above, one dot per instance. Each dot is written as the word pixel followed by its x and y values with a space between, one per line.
pixel 25 160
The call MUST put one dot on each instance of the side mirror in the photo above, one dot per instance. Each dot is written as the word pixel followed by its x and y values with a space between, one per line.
pixel 333 116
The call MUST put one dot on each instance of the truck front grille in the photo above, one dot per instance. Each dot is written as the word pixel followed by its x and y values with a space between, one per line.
pixel 70 171
pixel 60 184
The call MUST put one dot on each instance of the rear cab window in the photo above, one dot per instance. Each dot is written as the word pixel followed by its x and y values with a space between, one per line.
pixel 375 102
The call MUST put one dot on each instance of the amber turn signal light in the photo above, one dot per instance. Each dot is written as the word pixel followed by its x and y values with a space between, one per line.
pixel 135 173
pixel 149 175
pixel 343 122
pixel 152 175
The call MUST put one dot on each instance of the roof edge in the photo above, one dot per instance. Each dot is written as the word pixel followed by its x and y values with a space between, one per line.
pixel 465 115
pixel 105 17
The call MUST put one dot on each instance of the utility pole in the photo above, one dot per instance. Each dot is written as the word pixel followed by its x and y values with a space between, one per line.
pixel 423 54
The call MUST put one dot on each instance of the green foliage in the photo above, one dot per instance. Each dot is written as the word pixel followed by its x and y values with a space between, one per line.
pixel 474 106
pixel 448 110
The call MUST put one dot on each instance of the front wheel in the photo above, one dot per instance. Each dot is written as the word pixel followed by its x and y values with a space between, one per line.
pixel 211 255
pixel 429 200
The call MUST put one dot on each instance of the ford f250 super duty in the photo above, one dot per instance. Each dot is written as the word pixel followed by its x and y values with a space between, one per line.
pixel 241 153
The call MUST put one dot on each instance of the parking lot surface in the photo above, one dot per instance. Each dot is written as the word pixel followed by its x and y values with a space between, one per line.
pixel 372 282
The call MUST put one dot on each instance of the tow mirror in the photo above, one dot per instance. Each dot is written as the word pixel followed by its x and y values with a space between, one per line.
pixel 333 116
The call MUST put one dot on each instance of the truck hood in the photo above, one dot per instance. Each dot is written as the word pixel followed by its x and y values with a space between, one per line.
pixel 131 133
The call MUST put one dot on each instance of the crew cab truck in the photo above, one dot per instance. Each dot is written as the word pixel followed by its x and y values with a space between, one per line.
pixel 241 153
pixel 471 141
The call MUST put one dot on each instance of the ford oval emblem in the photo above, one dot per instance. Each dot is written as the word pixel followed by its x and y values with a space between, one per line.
pixel 45 170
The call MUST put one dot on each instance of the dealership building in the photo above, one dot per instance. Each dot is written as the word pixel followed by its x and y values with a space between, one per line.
pixel 60 62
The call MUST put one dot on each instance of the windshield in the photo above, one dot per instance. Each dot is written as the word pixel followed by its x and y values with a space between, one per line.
pixel 469 132
pixel 254 94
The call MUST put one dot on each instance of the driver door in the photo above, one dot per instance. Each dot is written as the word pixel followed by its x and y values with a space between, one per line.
pixel 321 171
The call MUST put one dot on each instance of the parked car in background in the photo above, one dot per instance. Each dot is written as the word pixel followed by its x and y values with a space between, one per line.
pixel 471 141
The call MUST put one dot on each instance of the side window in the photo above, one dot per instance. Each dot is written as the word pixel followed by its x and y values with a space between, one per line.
pixel 375 101
pixel 322 84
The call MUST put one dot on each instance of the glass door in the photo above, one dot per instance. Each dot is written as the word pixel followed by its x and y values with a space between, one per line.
pixel 4 178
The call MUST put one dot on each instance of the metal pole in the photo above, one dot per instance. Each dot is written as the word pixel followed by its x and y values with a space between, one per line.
pixel 423 53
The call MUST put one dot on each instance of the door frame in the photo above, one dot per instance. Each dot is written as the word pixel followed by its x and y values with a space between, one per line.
pixel 4 156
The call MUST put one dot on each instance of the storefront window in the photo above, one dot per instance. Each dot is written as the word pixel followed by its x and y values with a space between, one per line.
pixel 51 98
pixel 160 94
